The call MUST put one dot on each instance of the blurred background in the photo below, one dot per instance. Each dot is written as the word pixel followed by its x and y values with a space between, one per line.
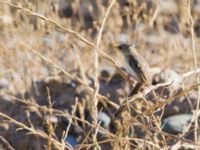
pixel 160 29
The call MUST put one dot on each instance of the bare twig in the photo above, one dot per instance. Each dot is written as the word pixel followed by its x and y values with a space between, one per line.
pixel 169 100
pixel 131 139
pixel 33 131
pixel 71 77
pixel 69 125
pixel 49 121
pixel 57 112
pixel 191 21
pixel 5 143
pixel 187 74
pixel 70 31
pixel 81 67
pixel 96 91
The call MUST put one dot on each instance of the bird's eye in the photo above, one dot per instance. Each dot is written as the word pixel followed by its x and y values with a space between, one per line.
pixel 120 47
pixel 123 46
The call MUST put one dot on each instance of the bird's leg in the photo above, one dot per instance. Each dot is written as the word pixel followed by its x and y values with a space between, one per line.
pixel 136 89
pixel 121 108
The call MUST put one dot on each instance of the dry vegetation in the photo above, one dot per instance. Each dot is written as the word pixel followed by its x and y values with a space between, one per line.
pixel 61 80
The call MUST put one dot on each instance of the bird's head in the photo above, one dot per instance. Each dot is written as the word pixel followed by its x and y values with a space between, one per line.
pixel 124 49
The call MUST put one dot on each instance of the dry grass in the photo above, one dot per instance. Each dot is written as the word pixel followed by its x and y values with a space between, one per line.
pixel 58 74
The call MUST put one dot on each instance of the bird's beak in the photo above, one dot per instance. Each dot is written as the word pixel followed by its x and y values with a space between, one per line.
pixel 133 46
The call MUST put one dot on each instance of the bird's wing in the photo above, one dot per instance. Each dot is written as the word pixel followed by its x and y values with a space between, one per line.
pixel 137 68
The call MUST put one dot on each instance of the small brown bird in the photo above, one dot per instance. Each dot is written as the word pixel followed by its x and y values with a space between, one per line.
pixel 135 63
pixel 137 67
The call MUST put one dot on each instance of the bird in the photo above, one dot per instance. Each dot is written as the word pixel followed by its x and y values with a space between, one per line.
pixel 136 66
